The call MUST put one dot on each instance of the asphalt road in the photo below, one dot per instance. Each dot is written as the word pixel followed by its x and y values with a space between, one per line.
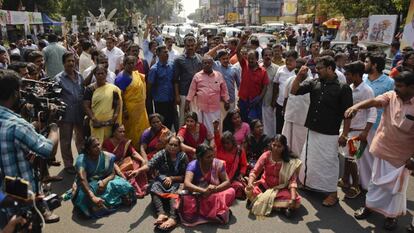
pixel 311 217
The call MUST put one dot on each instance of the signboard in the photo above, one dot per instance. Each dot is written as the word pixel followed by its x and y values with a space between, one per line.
pixel 4 17
pixel 35 17
pixel 351 27
pixel 74 24
pixel 408 33
pixel 376 28
pixel 382 28
pixel 18 17
pixel 290 7
pixel 232 16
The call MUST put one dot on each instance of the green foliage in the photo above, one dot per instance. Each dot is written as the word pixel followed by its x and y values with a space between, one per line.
pixel 353 8
pixel 54 8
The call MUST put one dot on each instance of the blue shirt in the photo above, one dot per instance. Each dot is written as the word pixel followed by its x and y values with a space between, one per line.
pixel 398 56
pixel 161 78
pixel 381 85
pixel 231 76
pixel 72 95
pixel 17 139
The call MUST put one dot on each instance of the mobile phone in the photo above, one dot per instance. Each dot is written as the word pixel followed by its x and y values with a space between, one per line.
pixel 16 187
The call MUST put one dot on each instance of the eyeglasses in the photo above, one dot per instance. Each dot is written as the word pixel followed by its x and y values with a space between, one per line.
pixel 173 144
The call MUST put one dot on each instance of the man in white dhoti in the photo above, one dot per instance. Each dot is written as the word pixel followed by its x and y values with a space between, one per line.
pixel 210 88
pixel 295 109
pixel 379 83
pixel 393 151
pixel 268 111
pixel 279 86
pixel 328 101
pixel 360 126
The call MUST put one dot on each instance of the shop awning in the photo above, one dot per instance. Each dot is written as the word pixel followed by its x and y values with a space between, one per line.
pixel 48 21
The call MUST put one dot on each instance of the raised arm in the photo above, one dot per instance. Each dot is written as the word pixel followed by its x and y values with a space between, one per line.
pixel 242 41
pixel 299 78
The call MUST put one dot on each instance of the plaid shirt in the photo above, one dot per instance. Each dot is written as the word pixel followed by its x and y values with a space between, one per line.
pixel 17 138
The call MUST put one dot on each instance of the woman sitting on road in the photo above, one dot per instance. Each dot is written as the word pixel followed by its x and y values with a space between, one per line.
pixel 236 126
pixel 154 138
pixel 192 134
pixel 235 158
pixel 256 143
pixel 277 186
pixel 126 159
pixel 210 192
pixel 171 164
pixel 97 190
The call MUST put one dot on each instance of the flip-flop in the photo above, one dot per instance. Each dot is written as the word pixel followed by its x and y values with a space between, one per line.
pixel 356 191
pixel 390 224
pixel 328 201
pixel 410 228
pixel 342 184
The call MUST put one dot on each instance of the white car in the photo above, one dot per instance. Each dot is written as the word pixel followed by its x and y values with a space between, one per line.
pixel 180 34
pixel 229 32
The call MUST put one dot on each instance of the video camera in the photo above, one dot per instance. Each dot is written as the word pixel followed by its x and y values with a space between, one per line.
pixel 19 189
pixel 42 94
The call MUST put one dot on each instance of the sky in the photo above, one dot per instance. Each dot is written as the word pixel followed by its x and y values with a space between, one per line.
pixel 189 7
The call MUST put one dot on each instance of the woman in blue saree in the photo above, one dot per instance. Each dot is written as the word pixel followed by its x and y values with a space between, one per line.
pixel 97 190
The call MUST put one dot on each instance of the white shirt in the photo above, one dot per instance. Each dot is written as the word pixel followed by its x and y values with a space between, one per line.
pixel 33 46
pixel 271 73
pixel 282 75
pixel 259 50
pixel 110 77
pixel 115 58
pixel 15 51
pixel 360 93
pixel 341 76
pixel 297 105
pixel 101 44
pixel 85 61
pixel 172 54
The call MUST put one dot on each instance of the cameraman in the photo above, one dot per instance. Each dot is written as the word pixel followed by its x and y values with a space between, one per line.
pixel 18 137
pixel 10 226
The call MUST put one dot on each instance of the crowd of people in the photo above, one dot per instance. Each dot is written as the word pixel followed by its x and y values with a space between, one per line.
pixel 219 122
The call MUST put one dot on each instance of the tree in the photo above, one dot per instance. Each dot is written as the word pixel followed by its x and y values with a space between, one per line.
pixel 50 7
pixel 353 8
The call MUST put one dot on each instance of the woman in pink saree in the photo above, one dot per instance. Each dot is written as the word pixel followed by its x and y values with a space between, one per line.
pixel 210 194
pixel 276 189
pixel 235 158
pixel 126 159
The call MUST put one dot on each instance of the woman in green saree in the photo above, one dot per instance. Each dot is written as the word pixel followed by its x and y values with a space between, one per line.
pixel 97 190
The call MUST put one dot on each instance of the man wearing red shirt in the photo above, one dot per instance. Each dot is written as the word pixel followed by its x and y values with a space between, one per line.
pixel 253 84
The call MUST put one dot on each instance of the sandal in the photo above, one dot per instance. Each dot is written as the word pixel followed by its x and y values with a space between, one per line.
pixel 410 228
pixel 353 192
pixel 288 212
pixel 362 213
pixel 390 224
pixel 342 184
pixel 330 200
